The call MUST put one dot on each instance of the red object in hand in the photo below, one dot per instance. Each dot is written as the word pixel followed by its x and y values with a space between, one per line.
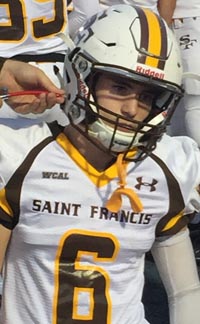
pixel 24 93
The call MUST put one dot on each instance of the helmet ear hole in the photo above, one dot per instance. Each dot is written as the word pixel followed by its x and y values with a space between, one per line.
pixel 68 80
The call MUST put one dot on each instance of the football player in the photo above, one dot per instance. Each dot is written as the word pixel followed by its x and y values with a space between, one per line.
pixel 81 205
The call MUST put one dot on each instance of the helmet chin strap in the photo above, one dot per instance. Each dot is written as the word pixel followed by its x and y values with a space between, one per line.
pixel 121 140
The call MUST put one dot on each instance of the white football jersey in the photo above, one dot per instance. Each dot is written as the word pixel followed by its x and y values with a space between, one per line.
pixel 70 260
pixel 34 26
pixel 185 9
pixel 31 27
pixel 151 4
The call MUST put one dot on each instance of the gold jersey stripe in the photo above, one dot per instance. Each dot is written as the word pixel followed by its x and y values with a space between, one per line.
pixel 4 204
pixel 173 222
pixel 100 179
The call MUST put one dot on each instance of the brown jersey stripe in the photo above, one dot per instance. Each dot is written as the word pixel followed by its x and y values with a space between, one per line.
pixel 174 220
pixel 11 205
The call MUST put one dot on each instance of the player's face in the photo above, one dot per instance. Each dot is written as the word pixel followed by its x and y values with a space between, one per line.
pixel 123 97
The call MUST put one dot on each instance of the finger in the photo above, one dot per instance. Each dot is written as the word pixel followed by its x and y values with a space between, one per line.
pixel 52 99
pixel 22 104
pixel 45 83
pixel 36 105
pixel 27 107
pixel 47 101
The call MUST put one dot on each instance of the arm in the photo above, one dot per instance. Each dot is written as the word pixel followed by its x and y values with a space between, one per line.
pixel 2 61
pixel 82 11
pixel 17 76
pixel 4 239
pixel 166 9
pixel 174 258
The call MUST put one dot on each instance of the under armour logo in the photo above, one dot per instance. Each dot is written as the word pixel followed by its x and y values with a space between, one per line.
pixel 146 184
pixel 186 42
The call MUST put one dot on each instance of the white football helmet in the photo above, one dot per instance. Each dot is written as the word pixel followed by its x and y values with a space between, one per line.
pixel 134 43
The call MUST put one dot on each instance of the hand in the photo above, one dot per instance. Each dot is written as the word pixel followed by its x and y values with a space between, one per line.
pixel 19 76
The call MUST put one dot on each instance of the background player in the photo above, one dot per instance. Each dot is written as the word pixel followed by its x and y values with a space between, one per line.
pixel 186 26
pixel 164 7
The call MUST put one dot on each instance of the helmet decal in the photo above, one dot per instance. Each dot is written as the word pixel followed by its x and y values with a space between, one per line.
pixel 86 32
pixel 152 28
pixel 153 73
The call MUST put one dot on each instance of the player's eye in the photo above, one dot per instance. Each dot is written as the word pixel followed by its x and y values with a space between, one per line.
pixel 146 98
pixel 121 90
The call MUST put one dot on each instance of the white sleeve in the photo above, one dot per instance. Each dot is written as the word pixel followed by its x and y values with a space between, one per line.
pixel 83 9
pixel 18 137
pixel 175 261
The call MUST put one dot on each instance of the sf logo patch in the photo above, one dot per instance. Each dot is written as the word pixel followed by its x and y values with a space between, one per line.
pixel 186 42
